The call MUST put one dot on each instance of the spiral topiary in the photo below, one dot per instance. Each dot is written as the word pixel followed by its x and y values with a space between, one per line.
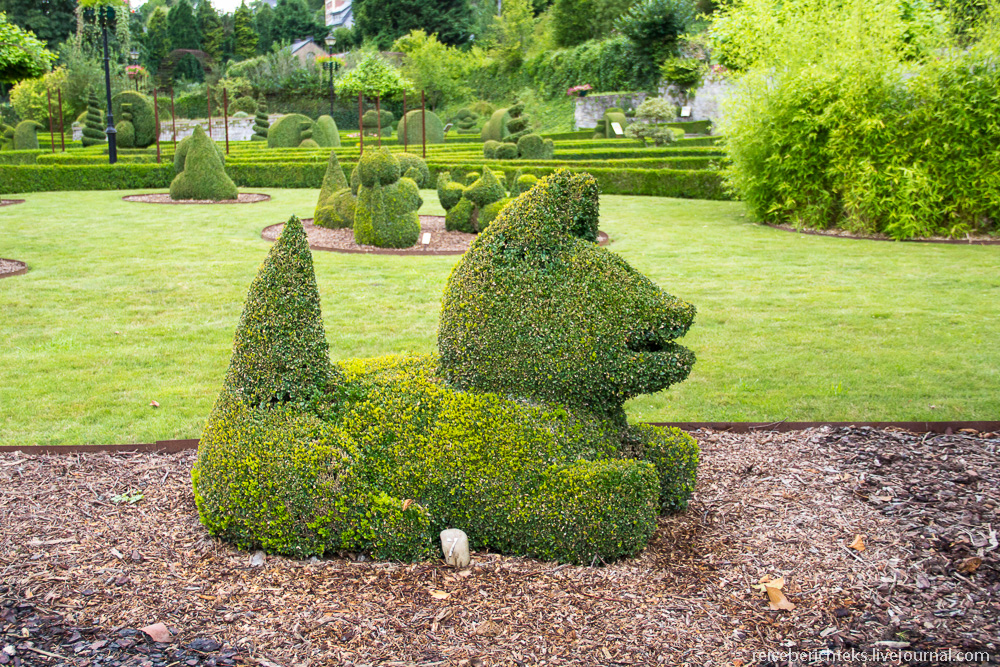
pixel 93 132
pixel 261 124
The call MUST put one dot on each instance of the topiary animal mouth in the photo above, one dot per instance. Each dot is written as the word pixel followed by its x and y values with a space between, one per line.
pixel 650 341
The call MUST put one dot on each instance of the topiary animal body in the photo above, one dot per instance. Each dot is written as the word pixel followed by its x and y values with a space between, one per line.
pixel 290 131
pixel 204 176
pixel 261 124
pixel 93 132
pixel 463 216
pixel 25 135
pixel 326 133
pixel 386 211
pixel 143 116
pixel 374 122
pixel 412 127
pixel 300 457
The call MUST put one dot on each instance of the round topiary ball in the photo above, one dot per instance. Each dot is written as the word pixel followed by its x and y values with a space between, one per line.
pixel 381 165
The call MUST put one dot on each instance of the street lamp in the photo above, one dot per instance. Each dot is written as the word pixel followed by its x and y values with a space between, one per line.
pixel 333 66
pixel 106 16
pixel 134 57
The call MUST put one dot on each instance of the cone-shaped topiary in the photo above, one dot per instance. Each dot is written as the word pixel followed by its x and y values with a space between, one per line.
pixel 204 176
pixel 333 181
pixel 412 127
pixel 180 155
pixel 280 353
pixel 143 116
pixel 260 121
pixel 93 132
pixel 125 129
pixel 532 310
pixel 337 211
pixel 25 135
pixel 386 210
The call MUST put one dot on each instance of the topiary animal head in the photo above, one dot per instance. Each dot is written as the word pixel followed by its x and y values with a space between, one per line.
pixel 534 311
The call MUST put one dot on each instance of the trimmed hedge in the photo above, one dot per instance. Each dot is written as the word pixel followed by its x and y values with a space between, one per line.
pixel 23 157
pixel 513 303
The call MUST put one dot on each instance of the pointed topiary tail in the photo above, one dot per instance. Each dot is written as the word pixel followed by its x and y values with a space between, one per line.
pixel 280 353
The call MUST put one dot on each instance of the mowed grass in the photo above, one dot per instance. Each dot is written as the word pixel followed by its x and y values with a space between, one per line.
pixel 130 303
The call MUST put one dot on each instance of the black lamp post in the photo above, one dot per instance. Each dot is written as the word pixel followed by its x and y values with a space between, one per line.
pixel 133 56
pixel 333 66
pixel 106 15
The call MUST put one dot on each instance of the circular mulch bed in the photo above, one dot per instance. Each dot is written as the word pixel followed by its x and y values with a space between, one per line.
pixel 164 198
pixel 12 267
pixel 10 202
pixel 442 242
pixel 842 234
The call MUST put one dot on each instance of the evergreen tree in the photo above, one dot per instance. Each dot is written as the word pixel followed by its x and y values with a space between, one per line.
pixel 244 36
pixel 210 27
pixel 294 21
pixel 52 21
pixel 183 28
pixel 384 21
pixel 264 25
pixel 157 40
pixel 93 132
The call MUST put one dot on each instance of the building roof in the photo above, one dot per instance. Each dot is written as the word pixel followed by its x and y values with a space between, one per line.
pixel 300 43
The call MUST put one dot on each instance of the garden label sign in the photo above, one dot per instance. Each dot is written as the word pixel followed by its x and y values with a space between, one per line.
pixel 617 129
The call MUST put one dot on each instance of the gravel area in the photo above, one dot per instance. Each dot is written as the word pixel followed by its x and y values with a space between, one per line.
pixel 442 242
pixel 164 198
pixel 885 541
pixel 11 266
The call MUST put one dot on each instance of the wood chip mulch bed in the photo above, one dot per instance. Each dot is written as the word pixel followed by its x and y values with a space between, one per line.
pixel 844 234
pixel 12 267
pixel 164 198
pixel 10 202
pixel 81 571
pixel 442 242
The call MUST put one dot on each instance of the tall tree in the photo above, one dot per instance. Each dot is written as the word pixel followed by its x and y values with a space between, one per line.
pixel 52 21
pixel 157 39
pixel 384 21
pixel 22 55
pixel 184 33
pixel 244 36
pixel 263 22
pixel 293 21
pixel 576 21
pixel 212 33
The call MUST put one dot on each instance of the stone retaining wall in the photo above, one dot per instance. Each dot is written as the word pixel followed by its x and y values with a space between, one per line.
pixel 706 103
pixel 240 129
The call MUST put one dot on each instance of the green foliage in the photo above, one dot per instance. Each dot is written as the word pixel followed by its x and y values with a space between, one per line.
pixel 22 55
pixel 326 133
pixel 26 135
pixel 486 190
pixel 337 210
pixel 386 211
pixel 204 176
pixel 245 37
pixel 261 123
pixel 143 115
pixel 374 77
pixel 577 21
pixel 654 26
pixel 607 65
pixel 511 304
pixel 185 144
pixel 288 131
pixel 31 101
pixel 449 192
pixel 674 454
pixel 334 180
pixel 412 126
pixel 459 217
pixel 506 151
pixel 523 183
pixel 496 127
pixel 279 349
pixel 488 213
pixel 533 147
pixel 385 21
pixel 440 71
pixel 651 123
pixel 490 149
pixel 377 122
pixel 246 104
pixel 510 35
pixel 685 74
pixel 408 161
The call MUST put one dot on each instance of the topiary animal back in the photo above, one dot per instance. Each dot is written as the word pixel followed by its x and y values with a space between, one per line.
pixel 280 353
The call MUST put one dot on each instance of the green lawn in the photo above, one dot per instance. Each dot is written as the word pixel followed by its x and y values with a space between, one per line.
pixel 128 303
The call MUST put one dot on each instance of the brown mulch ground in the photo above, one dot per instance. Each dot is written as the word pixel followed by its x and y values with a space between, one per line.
pixel 11 266
pixel 971 239
pixel 81 570
pixel 10 202
pixel 164 198
pixel 442 242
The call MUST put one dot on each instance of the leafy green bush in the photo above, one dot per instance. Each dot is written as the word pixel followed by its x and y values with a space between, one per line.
pixel 654 26
pixel 412 125
pixel 326 133
pixel 489 213
pixel 409 161
pixel 337 210
pixel 491 316
pixel 327 214
pixel 204 176
pixel 125 130
pixel 459 217
pixel 386 211
pixel 523 183
pixel 184 145
pixel 143 116
pixel 506 151
pixel 533 147
pixel 261 123
pixel 289 131
pixel 490 149
pixel 485 190
pixel 609 64
pixel 373 122
pixel 449 192
pixel 245 104
pixel 495 128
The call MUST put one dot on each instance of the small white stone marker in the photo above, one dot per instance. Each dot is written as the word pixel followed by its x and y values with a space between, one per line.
pixel 455 545
pixel 426 238
pixel 685 112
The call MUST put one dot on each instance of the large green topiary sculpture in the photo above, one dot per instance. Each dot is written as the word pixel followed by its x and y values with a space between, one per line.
pixel 465 121
pixel 413 123
pixel 204 176
pixel 124 129
pixel 326 133
pixel 464 215
pixel 491 342
pixel 533 147
pixel 25 135
pixel 333 210
pixel 93 132
pixel 408 161
pixel 184 145
pixel 290 131
pixel 261 123
pixel 386 212
pixel 302 458
pixel 143 116
pixel 496 127
pixel 376 121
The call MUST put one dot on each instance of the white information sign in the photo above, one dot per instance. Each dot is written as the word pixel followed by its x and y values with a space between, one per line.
pixel 685 112
pixel 426 239
pixel 617 129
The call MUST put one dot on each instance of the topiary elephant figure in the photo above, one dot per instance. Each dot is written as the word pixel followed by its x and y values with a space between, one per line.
pixel 514 434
